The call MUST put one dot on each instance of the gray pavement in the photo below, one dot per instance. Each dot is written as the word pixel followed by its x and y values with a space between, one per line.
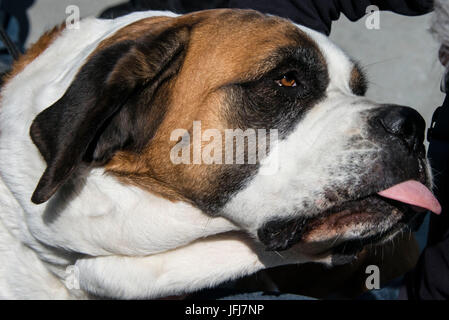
pixel 400 59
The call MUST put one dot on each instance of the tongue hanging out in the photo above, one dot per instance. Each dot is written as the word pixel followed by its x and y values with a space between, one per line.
pixel 414 193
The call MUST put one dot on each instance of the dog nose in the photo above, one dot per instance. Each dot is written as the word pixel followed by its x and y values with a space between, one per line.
pixel 405 123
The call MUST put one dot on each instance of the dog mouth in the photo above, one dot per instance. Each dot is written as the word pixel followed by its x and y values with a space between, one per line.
pixel 345 229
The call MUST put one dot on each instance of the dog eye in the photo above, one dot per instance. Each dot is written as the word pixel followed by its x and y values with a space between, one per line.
pixel 288 80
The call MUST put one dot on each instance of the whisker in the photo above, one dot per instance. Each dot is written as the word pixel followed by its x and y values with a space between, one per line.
pixel 280 255
pixel 380 61
pixel 207 223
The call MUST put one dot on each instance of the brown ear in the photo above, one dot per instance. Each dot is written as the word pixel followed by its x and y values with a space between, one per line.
pixel 92 119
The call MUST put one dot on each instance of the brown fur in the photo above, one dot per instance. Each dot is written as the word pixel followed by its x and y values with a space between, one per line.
pixel 357 82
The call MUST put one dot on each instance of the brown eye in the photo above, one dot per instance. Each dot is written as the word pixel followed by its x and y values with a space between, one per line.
pixel 287 81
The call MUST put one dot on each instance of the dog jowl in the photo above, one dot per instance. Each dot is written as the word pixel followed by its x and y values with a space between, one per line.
pixel 349 171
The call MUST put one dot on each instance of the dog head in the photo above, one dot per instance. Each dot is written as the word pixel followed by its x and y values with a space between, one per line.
pixel 344 167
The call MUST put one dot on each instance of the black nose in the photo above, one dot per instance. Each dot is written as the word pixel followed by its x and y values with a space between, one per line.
pixel 405 123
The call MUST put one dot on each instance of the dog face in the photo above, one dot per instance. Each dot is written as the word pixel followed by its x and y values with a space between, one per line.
pixel 238 69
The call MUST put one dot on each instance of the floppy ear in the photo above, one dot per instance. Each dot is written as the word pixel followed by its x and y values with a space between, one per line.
pixel 89 122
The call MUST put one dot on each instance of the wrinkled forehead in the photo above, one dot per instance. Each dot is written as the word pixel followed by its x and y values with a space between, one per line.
pixel 245 44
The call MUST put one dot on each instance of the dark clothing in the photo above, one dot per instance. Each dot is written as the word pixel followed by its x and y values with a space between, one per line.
pixel 430 279
pixel 14 21
pixel 18 10
pixel 315 14
pixel 439 158
pixel 319 14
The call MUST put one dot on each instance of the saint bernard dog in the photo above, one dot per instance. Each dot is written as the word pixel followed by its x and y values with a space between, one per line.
pixel 91 204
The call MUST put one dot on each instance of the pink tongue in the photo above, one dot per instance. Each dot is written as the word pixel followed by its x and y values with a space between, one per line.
pixel 414 193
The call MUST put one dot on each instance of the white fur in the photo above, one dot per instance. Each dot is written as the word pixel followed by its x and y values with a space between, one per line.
pixel 125 242
pixel 203 263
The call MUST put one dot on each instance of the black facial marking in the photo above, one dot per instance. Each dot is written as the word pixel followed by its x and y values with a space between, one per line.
pixel 281 234
pixel 263 104
pixel 229 179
